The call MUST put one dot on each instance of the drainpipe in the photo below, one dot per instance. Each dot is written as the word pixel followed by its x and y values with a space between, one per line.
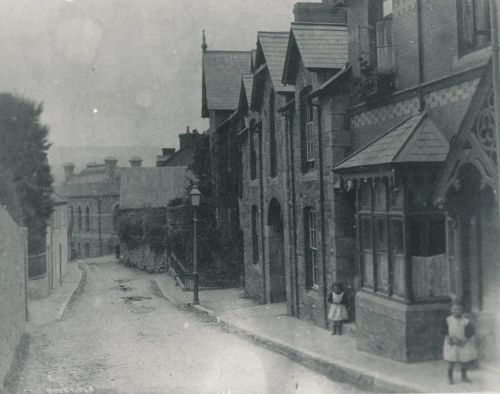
pixel 421 99
pixel 294 218
pixel 495 51
pixel 293 230
pixel 322 209
pixel 263 241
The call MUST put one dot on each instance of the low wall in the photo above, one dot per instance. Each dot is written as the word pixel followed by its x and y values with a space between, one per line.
pixel 12 289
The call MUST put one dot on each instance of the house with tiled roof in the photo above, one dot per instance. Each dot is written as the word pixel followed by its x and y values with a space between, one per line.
pixel 145 193
pixel 152 187
pixel 92 195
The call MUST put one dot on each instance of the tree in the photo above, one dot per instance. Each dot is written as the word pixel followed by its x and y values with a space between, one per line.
pixel 23 156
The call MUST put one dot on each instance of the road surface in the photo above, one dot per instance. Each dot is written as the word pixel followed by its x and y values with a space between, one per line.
pixel 119 335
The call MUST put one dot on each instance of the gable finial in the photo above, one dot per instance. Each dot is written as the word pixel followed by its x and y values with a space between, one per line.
pixel 204 45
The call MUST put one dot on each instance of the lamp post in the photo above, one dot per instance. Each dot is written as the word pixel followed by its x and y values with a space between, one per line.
pixel 195 202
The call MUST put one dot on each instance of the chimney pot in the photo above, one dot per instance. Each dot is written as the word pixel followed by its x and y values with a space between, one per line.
pixel 135 161
pixel 69 170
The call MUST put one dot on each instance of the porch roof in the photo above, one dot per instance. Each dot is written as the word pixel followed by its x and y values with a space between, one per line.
pixel 415 140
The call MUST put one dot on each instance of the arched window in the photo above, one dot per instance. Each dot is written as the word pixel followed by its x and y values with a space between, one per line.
pixel 87 219
pixel 311 247
pixel 272 133
pixel 79 219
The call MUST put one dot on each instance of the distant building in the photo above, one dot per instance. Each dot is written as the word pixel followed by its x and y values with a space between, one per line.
pixel 92 196
pixel 182 157
pixel 145 189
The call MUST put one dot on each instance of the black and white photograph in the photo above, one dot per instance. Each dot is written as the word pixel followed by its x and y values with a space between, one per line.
pixel 249 196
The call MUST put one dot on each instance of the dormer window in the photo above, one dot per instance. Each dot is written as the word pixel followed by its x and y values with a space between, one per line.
pixel 474 30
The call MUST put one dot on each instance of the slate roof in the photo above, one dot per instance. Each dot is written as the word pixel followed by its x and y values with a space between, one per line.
pixel 58 199
pixel 91 181
pixel 222 78
pixel 416 139
pixel 248 85
pixel 274 46
pixel 319 45
pixel 152 187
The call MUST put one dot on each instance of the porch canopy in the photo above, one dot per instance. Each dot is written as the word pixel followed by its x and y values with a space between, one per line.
pixel 400 235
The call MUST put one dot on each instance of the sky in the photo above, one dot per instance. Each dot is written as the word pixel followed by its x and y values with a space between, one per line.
pixel 122 72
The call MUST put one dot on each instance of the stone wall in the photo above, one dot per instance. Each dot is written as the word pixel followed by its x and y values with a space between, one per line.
pixel 12 288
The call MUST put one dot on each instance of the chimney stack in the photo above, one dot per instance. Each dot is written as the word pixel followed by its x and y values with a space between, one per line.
pixel 166 153
pixel 329 11
pixel 69 171
pixel 110 163
pixel 135 161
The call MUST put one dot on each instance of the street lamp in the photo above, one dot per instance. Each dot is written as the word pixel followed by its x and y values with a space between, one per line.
pixel 195 202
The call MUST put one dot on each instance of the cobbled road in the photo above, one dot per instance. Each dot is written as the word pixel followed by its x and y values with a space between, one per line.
pixel 119 335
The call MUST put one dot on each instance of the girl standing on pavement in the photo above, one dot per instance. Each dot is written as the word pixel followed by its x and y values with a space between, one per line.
pixel 338 311
pixel 458 342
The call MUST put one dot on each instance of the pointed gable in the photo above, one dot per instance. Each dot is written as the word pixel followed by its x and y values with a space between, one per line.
pixel 271 50
pixel 475 141
pixel 320 46
pixel 221 79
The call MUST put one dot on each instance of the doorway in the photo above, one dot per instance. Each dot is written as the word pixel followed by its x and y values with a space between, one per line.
pixel 277 276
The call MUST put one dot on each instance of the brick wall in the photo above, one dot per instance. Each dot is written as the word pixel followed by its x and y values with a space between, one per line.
pixel 12 289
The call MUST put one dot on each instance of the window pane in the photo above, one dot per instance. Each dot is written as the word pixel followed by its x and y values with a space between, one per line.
pixel 380 196
pixel 366 233
pixel 396 199
pixel 427 235
pixel 366 250
pixel 382 262
pixel 381 234
pixel 397 245
pixel 365 196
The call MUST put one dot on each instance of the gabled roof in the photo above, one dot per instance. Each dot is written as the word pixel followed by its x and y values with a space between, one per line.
pixel 152 187
pixel 92 181
pixel 416 139
pixel 320 46
pixel 271 50
pixel 57 199
pixel 221 78
pixel 466 147
pixel 247 80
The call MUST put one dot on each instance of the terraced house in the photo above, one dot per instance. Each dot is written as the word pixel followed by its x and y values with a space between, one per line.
pixel 373 161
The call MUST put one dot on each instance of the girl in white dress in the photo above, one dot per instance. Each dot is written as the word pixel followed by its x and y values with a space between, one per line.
pixel 458 345
pixel 337 311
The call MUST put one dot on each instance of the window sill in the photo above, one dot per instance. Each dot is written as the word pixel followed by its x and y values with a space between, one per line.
pixel 309 176
pixel 254 182
pixel 314 290
pixel 475 58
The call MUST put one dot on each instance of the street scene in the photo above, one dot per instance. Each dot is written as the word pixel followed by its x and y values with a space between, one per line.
pixel 120 335
pixel 236 196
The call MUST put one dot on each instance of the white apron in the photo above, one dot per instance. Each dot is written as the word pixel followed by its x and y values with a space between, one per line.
pixel 465 350
pixel 337 311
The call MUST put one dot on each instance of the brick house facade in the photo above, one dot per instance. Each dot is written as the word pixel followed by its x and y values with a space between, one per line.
pixel 384 93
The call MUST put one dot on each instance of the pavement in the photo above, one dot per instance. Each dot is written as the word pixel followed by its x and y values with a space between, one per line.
pixel 118 334
pixel 315 347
